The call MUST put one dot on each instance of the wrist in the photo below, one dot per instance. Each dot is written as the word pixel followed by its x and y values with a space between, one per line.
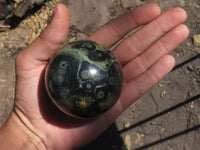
pixel 16 135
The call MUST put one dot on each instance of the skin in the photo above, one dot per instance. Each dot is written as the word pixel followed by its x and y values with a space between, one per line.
pixel 36 123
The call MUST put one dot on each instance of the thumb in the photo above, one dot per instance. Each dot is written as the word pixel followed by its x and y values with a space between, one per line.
pixel 49 41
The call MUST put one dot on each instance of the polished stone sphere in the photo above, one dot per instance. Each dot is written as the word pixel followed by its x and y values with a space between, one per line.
pixel 84 79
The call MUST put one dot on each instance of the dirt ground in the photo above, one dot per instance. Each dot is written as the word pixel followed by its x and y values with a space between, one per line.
pixel 166 118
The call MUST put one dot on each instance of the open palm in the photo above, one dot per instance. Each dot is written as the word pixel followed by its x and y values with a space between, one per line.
pixel 143 56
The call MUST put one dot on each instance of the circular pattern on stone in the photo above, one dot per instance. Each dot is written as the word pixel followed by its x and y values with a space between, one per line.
pixel 84 79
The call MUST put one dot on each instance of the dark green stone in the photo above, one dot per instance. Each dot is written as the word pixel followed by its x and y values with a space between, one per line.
pixel 84 79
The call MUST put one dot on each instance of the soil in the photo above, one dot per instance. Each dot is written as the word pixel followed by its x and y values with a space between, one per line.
pixel 166 118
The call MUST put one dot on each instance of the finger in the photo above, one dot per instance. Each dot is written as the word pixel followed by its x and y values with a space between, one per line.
pixel 44 47
pixel 136 88
pixel 162 47
pixel 143 38
pixel 116 29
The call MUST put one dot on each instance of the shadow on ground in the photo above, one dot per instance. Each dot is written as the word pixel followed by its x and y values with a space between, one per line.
pixel 117 142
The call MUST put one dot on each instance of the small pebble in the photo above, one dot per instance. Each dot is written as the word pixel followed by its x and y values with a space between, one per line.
pixel 162 95
pixel 127 124
pixel 196 39
pixel 127 142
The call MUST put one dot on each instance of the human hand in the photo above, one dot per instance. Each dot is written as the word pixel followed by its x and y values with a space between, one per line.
pixel 144 57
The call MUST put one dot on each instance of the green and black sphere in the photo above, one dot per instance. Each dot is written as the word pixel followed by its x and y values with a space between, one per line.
pixel 84 79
